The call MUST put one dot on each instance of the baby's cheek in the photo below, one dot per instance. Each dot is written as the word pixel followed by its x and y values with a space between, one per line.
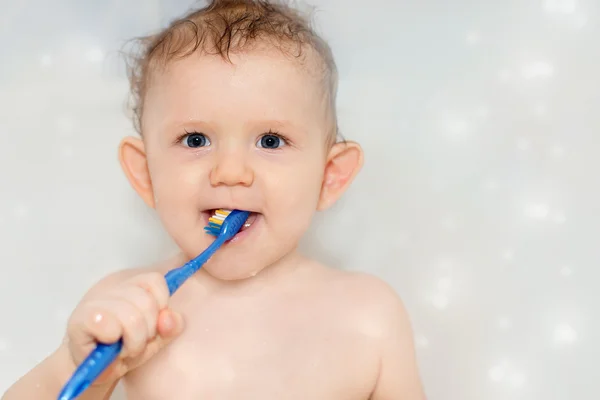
pixel 178 188
pixel 297 207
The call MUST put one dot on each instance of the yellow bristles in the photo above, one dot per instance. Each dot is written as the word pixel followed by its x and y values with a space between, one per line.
pixel 219 216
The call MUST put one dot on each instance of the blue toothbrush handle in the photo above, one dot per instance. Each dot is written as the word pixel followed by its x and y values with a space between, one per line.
pixel 90 369
pixel 176 277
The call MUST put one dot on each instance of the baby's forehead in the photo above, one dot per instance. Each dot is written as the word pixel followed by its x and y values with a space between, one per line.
pixel 257 85
pixel 257 63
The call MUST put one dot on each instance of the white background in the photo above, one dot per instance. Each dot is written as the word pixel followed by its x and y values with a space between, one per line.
pixel 478 200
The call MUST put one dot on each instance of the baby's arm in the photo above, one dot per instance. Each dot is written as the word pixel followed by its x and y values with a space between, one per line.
pixel 46 379
pixel 398 375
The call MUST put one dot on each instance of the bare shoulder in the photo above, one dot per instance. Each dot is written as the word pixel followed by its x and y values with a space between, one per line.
pixel 120 276
pixel 367 296
pixel 377 310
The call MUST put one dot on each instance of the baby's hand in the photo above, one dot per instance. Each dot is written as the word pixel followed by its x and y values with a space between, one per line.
pixel 135 310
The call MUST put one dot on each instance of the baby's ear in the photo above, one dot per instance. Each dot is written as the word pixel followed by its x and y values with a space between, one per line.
pixel 344 161
pixel 132 155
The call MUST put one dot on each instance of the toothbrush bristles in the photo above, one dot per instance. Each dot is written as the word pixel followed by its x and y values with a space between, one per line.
pixel 216 221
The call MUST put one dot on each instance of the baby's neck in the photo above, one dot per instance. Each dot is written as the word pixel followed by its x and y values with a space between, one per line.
pixel 277 274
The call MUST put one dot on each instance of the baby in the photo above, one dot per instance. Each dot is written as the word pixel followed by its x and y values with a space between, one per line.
pixel 235 105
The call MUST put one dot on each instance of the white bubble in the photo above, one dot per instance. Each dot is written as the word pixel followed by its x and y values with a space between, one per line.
pixel 473 38
pixel 516 379
pixel 565 334
pixel 454 126
pixel 95 55
pixel 566 271
pixel 508 255
pixel 497 373
pixel 504 323
pixel 21 211
pixel 540 110
pixel 560 6
pixel 539 211
pixel 65 125
pixel 46 61
pixel 538 69
pixel 66 151
pixel 440 301
pixel 490 186
pixel 580 21
pixel 422 342
pixel 506 373
pixel 504 75
pixel 402 239
pixel 559 217
pixel 556 151
pixel 445 264
pixel 482 112
pixel 523 144
pixel 449 223
pixel 444 284
pixel 62 315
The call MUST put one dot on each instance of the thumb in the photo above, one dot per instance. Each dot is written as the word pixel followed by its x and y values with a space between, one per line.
pixel 169 325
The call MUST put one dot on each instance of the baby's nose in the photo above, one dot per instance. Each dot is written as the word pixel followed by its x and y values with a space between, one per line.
pixel 231 169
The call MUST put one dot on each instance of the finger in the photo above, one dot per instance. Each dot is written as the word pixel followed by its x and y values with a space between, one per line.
pixel 98 319
pixel 145 303
pixel 133 323
pixel 91 323
pixel 169 324
pixel 156 284
pixel 110 374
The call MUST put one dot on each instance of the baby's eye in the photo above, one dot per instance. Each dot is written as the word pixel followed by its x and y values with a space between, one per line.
pixel 270 141
pixel 195 140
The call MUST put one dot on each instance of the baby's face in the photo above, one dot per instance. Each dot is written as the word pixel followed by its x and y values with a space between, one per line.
pixel 251 136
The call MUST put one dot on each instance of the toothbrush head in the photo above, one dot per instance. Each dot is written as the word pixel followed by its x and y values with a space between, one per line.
pixel 226 223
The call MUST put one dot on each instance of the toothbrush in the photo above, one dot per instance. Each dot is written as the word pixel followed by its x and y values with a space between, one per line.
pixel 224 225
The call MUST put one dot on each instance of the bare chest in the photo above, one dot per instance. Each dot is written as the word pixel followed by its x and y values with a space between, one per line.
pixel 253 352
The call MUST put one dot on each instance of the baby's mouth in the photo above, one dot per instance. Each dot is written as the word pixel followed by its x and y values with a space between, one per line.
pixel 249 221
pixel 247 224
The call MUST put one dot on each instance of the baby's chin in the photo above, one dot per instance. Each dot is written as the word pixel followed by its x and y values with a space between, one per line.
pixel 229 263
pixel 231 272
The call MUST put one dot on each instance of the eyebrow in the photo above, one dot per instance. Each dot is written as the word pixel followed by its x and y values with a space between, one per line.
pixel 275 123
